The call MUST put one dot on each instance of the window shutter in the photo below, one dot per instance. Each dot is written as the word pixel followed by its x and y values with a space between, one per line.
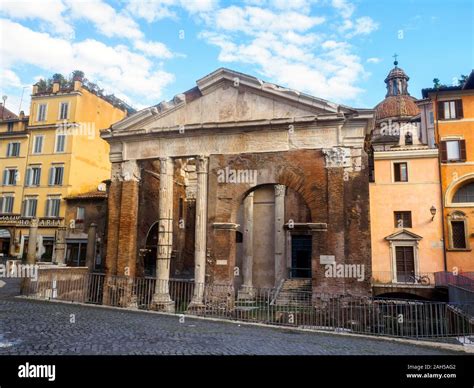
pixel 48 201
pixel 38 177
pixel 5 172
pixel 23 208
pixel 462 150
pixel 60 172
pixel 2 199
pixel 51 176
pixel 396 168
pixel 440 110
pixel 33 207
pixel 459 111
pixel 28 177
pixel 9 149
pixel 444 152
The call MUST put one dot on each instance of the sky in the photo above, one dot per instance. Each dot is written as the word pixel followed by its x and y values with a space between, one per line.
pixel 147 51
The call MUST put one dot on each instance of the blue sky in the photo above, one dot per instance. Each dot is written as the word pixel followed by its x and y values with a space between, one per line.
pixel 148 51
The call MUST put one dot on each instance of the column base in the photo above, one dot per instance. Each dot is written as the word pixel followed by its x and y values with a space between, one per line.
pixel 163 302
pixel 246 293
pixel 196 306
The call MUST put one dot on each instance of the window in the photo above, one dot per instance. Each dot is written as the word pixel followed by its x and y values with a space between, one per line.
pixel 38 144
pixel 431 117
pixel 33 176
pixel 29 207
pixel 405 262
pixel 13 149
pixel 450 110
pixel 10 176
pixel 52 206
pixel 56 176
pixel 402 219
pixel 465 194
pixel 10 127
pixel 6 203
pixel 458 234
pixel 80 214
pixel 63 110
pixel 408 138
pixel 60 142
pixel 41 112
pixel 400 172
pixel 453 151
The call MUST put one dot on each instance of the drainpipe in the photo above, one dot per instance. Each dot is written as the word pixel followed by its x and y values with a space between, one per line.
pixel 441 183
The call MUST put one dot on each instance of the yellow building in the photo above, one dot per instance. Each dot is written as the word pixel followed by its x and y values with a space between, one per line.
pixel 454 125
pixel 57 155
pixel 405 197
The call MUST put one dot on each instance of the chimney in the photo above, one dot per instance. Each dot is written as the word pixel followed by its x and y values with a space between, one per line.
pixel 55 87
pixel 35 89
pixel 77 82
pixel 22 115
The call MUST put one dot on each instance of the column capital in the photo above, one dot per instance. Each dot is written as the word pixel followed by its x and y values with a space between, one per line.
pixel 126 171
pixel 202 164
pixel 279 190
pixel 166 165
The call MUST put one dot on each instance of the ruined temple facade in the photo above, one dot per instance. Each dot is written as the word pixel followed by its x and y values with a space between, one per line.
pixel 240 182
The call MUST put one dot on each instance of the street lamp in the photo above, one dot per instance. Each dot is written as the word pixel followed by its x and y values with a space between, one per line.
pixel 433 212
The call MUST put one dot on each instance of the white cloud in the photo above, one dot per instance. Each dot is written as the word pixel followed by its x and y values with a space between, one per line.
pixel 364 26
pixel 153 49
pixel 154 10
pixel 50 12
pixel 344 7
pixel 105 18
pixel 288 48
pixel 373 60
pixel 9 78
pixel 115 68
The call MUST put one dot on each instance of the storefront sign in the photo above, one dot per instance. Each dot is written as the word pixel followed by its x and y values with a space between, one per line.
pixel 19 221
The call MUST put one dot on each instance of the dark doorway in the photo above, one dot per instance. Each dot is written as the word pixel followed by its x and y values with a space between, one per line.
pixel 150 252
pixel 4 243
pixel 301 246
pixel 405 264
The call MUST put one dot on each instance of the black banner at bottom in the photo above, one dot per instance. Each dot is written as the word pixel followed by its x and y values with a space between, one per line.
pixel 138 371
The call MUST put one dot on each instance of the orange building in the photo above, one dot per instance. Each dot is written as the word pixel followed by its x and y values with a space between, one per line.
pixel 405 197
pixel 454 127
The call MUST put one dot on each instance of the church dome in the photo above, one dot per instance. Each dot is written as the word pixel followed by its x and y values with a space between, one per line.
pixel 398 104
pixel 396 107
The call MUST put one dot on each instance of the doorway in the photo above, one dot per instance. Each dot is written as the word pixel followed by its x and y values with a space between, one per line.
pixel 405 262
pixel 301 248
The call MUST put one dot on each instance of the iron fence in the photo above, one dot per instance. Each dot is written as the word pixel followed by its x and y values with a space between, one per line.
pixel 362 315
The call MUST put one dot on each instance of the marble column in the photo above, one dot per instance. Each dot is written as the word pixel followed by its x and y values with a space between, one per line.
pixel 60 246
pixel 280 264
pixel 247 259
pixel 161 298
pixel 91 248
pixel 202 163
pixel 32 242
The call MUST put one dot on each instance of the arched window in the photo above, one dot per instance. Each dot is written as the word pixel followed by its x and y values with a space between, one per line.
pixel 465 194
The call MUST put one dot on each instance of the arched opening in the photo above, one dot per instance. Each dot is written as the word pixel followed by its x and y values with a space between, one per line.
pixel 465 194
pixel 5 241
pixel 275 244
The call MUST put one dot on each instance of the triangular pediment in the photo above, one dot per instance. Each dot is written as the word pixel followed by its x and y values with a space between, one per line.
pixel 226 96
pixel 403 235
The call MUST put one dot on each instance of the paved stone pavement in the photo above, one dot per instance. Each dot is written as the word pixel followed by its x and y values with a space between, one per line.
pixel 30 327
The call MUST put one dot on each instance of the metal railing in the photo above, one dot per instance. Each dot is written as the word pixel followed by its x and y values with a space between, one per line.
pixel 403 278
pixel 364 315
pixel 462 279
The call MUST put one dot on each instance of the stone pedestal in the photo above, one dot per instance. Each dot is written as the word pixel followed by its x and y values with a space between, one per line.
pixel 32 242
pixel 60 246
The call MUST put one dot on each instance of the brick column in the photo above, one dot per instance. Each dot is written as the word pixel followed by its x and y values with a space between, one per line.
pixel 202 164
pixel 91 246
pixel 60 246
pixel 161 298
pixel 113 218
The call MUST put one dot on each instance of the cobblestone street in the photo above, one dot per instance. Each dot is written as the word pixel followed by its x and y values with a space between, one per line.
pixel 34 327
